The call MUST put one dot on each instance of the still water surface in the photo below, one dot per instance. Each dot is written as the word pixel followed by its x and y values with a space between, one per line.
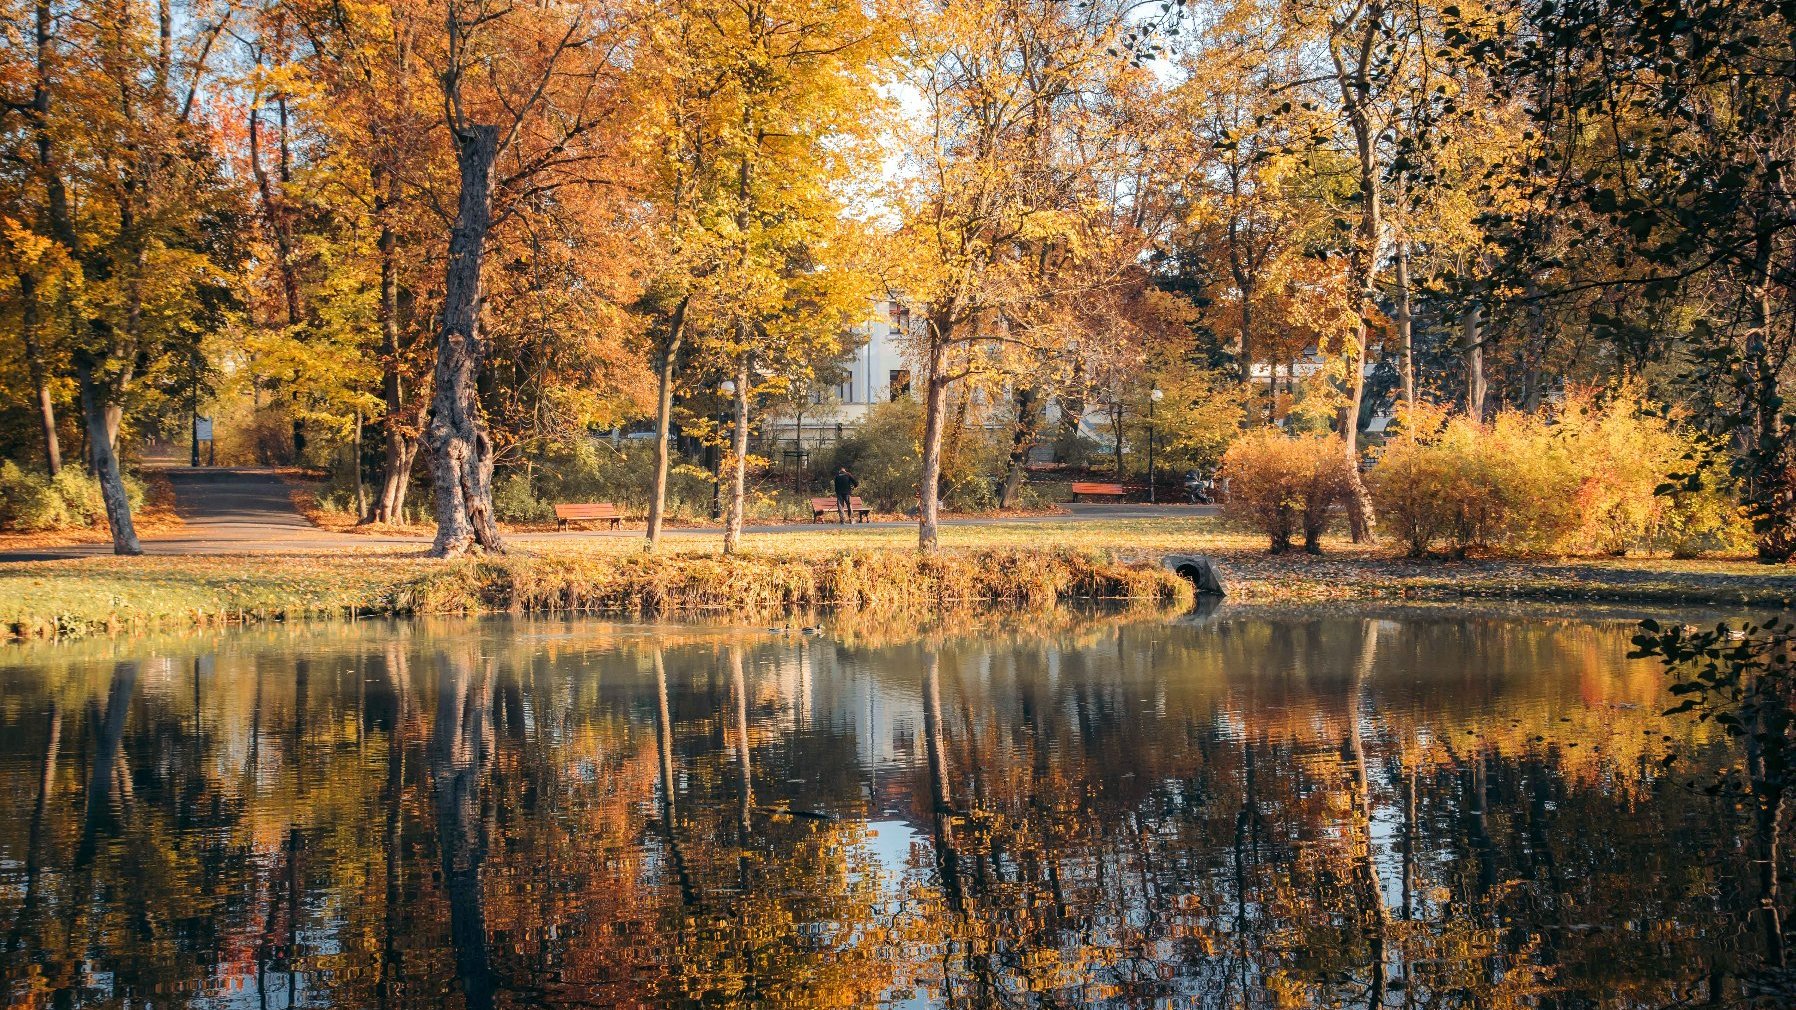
pixel 1422 808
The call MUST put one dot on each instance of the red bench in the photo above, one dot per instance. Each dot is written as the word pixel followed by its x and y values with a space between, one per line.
pixel 1091 490
pixel 857 510
pixel 575 512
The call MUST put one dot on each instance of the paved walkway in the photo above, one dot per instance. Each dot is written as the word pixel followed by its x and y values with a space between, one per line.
pixel 235 511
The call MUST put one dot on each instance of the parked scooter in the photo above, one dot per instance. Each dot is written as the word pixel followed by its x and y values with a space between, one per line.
pixel 1199 490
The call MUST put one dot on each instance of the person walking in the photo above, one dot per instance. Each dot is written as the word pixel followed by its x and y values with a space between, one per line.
pixel 845 485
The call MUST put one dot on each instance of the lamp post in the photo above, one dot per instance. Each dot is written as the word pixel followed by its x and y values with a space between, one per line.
pixel 1153 491
pixel 728 389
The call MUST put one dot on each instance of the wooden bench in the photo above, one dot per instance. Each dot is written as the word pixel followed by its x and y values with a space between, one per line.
pixel 1091 490
pixel 576 512
pixel 857 509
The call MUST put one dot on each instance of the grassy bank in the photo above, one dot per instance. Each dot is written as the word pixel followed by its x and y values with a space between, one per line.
pixel 91 595
pixel 872 572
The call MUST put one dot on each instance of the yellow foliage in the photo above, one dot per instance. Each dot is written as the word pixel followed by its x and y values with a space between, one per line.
pixel 1580 479
pixel 1279 484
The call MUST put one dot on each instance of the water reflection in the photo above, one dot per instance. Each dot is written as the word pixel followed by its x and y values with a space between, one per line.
pixel 1406 809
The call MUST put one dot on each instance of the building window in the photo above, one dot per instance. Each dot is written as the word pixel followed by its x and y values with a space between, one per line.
pixel 845 391
pixel 900 380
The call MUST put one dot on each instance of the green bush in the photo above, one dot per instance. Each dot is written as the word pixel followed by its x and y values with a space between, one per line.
pixel 31 502
pixel 886 455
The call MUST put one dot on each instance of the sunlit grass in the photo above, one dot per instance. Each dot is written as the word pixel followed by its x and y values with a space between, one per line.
pixel 873 568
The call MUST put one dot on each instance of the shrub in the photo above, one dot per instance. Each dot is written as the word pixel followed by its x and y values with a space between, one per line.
pixel 31 502
pixel 1280 484
pixel 1584 478
pixel 1447 478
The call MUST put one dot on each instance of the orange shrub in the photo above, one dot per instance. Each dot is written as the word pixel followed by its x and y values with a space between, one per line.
pixel 1281 484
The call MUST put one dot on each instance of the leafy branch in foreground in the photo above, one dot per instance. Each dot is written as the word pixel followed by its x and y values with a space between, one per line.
pixel 1742 679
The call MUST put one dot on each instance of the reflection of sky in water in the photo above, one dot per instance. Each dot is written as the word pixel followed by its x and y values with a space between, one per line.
pixel 1175 797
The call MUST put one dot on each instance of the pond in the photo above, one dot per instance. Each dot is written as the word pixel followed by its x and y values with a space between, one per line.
pixel 1251 808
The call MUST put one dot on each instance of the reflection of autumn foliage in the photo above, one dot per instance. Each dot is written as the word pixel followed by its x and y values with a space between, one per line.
pixel 1418 807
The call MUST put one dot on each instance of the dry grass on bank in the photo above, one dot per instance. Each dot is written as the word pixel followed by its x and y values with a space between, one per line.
pixel 89 595
pixel 873 572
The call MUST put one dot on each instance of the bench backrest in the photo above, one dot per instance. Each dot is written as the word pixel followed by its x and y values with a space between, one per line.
pixel 829 504
pixel 1080 488
pixel 586 510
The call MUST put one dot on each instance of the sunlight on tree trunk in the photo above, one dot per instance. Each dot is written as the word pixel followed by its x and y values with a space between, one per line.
pixel 670 354
pixel 461 453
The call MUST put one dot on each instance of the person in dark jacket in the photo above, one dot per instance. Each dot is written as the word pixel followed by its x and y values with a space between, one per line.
pixel 845 485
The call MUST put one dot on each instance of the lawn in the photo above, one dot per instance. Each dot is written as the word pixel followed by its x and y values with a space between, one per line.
pixel 871 569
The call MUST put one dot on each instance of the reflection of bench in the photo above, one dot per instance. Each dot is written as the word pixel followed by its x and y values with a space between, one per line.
pixel 1087 490
pixel 589 512
pixel 857 510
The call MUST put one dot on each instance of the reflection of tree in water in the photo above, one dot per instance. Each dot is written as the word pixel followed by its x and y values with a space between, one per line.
pixel 1252 813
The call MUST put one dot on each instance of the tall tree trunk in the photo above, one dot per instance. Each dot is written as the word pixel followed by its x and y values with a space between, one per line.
pixel 1116 436
pixel 1405 320
pixel 1355 87
pixel 1022 439
pixel 670 355
pixel 1771 460
pixel 461 462
pixel 105 462
pixel 935 408
pixel 40 374
pixel 401 444
pixel 1473 351
pixel 732 531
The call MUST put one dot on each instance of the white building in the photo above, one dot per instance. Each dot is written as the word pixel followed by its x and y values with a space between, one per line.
pixel 877 369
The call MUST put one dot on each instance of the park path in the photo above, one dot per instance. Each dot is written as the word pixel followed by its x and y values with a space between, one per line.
pixel 231 510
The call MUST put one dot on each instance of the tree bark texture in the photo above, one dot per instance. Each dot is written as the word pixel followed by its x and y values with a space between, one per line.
pixel 670 354
pixel 935 408
pixel 105 462
pixel 1022 439
pixel 461 463
pixel 732 533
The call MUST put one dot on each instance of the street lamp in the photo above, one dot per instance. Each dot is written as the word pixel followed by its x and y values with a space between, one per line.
pixel 1153 496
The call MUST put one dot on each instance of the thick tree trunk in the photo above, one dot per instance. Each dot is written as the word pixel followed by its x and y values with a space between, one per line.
pixel 732 532
pixel 670 354
pixel 1022 439
pixel 105 463
pixel 461 462
pixel 1473 351
pixel 935 408
pixel 1405 320
pixel 40 374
